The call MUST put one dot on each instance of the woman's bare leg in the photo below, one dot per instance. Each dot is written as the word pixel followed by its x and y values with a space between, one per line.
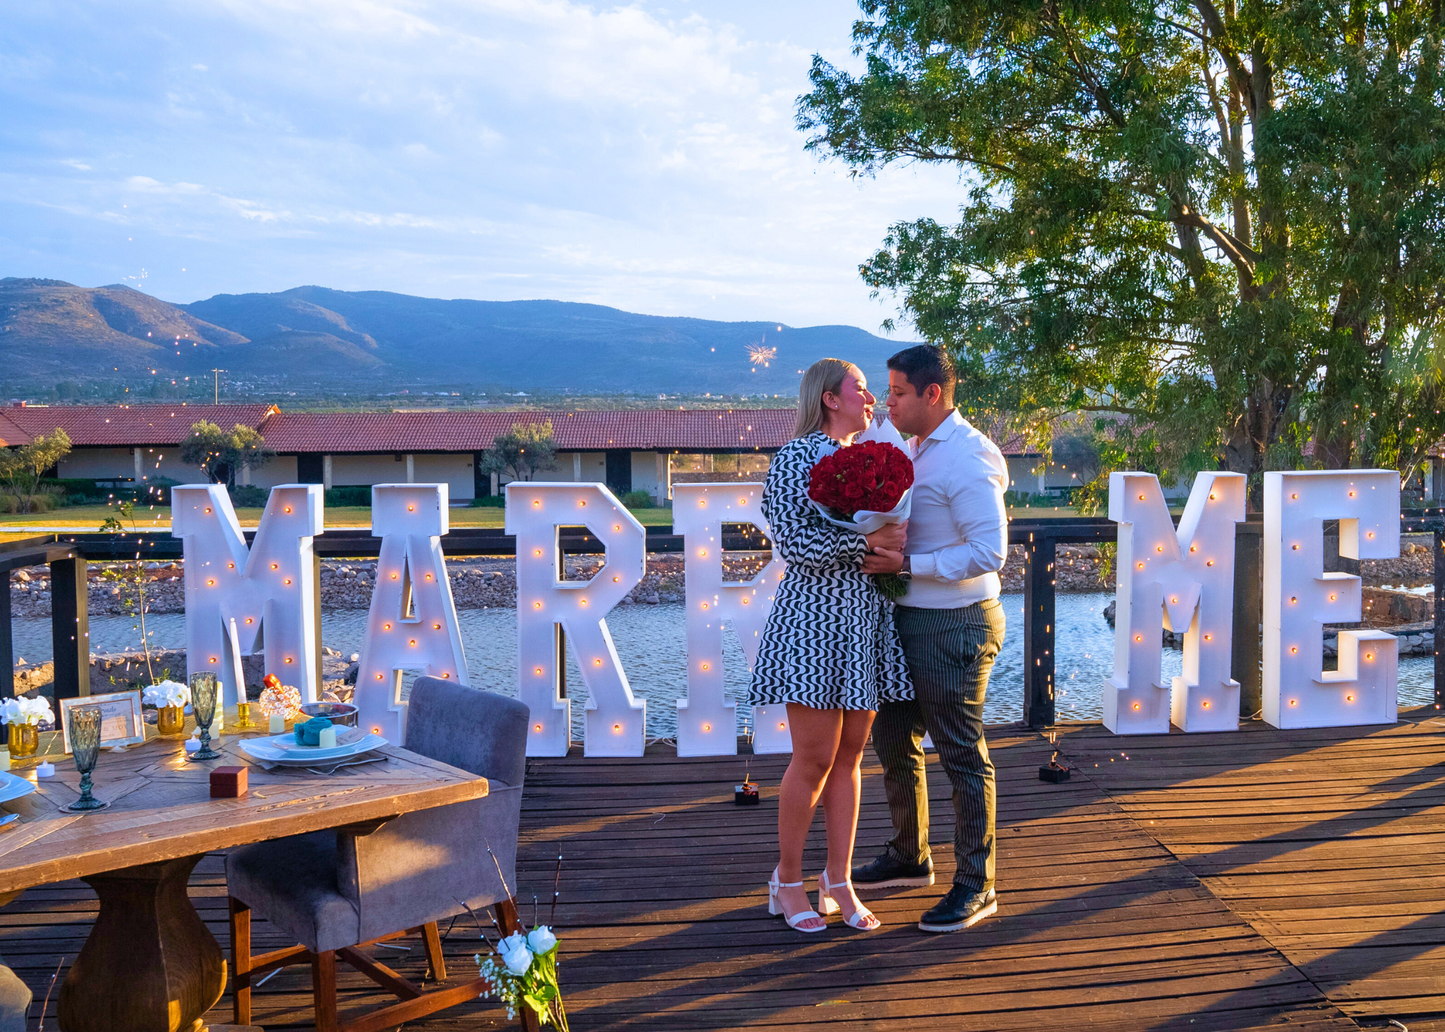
pixel 840 804
pixel 815 743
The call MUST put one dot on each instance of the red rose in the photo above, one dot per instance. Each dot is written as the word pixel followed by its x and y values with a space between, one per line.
pixel 872 476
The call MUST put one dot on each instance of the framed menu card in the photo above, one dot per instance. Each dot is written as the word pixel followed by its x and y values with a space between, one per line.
pixel 121 722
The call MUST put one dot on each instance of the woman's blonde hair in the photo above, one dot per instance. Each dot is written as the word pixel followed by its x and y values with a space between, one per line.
pixel 824 376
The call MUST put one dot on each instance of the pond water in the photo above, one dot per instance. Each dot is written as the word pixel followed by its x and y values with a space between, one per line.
pixel 650 641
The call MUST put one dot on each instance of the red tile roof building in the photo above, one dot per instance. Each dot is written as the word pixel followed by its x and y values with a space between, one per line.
pixel 129 426
pixel 633 430
pixel 12 435
pixel 631 448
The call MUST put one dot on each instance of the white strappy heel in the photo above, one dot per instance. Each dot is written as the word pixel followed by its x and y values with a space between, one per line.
pixel 776 908
pixel 828 905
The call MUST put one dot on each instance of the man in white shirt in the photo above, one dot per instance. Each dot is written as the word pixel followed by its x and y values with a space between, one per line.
pixel 951 624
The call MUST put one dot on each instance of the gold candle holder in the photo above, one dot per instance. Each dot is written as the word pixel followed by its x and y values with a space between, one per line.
pixel 243 717
pixel 170 720
pixel 24 740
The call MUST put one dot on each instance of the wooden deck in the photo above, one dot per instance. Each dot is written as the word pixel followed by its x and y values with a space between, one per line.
pixel 1259 879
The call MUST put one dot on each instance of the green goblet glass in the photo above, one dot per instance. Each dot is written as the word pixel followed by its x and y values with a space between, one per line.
pixel 203 703
pixel 85 747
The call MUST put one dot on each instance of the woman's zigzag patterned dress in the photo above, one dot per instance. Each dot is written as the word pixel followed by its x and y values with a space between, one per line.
pixel 829 642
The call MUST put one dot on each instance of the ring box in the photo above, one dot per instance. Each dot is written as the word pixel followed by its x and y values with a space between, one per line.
pixel 746 794
pixel 228 782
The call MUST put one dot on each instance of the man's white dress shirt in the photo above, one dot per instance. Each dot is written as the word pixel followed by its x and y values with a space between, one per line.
pixel 958 530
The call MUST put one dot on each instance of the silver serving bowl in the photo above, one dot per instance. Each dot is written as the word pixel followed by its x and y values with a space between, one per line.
pixel 337 712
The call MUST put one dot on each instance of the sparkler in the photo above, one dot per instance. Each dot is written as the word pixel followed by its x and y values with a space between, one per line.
pixel 761 356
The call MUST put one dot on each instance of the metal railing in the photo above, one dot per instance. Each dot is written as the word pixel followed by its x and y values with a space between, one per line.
pixel 68 554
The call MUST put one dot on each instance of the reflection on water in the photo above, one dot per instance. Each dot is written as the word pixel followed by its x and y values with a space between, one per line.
pixel 651 639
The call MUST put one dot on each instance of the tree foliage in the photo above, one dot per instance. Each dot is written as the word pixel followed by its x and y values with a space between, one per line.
pixel 21 468
pixel 1216 224
pixel 522 452
pixel 224 453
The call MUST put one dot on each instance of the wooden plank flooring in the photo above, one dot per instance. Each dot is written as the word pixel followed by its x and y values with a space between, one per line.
pixel 1261 879
pixel 1328 842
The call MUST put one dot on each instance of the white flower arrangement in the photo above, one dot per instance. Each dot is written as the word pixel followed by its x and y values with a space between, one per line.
pixel 166 693
pixel 32 710
pixel 522 972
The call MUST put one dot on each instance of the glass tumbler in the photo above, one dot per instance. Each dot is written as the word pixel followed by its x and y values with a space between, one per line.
pixel 85 724
pixel 203 704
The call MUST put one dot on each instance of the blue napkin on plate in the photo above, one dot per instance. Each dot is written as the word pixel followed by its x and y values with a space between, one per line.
pixel 309 733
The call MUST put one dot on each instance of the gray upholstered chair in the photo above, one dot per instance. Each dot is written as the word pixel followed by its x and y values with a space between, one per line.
pixel 336 892
pixel 15 997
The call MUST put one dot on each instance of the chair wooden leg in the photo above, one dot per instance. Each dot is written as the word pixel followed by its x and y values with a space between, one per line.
pixel 511 921
pixel 432 936
pixel 240 961
pixel 323 990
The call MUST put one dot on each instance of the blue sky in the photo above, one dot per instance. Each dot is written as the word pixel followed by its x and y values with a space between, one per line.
pixel 640 156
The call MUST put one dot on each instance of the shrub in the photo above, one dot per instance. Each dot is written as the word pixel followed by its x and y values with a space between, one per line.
pixel 156 491
pixel 490 502
pixel 1027 500
pixel 637 500
pixel 73 491
pixel 249 497
pixel 353 495
pixel 40 501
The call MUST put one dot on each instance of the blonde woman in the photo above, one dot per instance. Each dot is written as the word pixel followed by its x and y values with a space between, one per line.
pixel 829 650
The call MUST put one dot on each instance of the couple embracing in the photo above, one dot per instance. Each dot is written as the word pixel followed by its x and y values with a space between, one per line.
pixel 846 660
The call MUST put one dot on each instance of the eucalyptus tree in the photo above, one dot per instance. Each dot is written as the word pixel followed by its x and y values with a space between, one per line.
pixel 1216 224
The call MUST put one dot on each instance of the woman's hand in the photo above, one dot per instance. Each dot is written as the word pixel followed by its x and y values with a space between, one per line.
pixel 889 538
pixel 883 561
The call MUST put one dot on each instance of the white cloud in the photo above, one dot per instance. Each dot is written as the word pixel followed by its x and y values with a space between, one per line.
pixel 637 156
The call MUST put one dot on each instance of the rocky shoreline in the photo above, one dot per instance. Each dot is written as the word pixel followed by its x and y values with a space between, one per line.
pixel 124 671
pixel 490 583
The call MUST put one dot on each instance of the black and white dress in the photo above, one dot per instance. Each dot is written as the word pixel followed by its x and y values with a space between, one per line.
pixel 829 642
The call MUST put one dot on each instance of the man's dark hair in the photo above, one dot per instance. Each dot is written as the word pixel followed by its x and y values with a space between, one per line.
pixel 925 364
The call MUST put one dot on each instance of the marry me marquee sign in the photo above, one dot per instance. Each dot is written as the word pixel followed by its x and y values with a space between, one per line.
pixel 264 598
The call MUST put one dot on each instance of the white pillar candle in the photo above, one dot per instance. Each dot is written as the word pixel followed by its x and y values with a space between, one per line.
pixel 4 759
pixel 327 738
pixel 278 723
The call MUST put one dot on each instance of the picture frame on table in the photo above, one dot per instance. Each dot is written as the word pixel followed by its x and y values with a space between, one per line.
pixel 121 720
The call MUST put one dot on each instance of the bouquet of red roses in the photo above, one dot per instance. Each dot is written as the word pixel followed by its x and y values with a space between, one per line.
pixel 871 477
pixel 864 487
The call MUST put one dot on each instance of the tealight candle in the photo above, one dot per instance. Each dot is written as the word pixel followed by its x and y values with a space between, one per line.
pixel 193 744
pixel 327 738
pixel 278 723
pixel 45 770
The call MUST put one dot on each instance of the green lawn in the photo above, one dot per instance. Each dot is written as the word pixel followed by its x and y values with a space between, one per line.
pixel 90 517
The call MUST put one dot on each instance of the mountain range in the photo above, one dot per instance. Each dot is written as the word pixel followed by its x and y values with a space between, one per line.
pixel 51 331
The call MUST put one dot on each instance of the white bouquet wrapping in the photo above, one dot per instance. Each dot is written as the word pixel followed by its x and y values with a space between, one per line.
pixel 876 470
pixel 865 521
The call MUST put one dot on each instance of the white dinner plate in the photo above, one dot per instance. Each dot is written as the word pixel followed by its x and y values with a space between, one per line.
pixel 13 787
pixel 283 749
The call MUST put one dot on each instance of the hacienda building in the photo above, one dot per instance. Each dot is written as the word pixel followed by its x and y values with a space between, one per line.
pixel 645 450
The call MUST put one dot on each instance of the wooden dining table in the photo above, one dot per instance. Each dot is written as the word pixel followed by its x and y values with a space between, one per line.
pixel 150 963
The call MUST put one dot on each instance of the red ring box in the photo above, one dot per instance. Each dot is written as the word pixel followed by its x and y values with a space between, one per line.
pixel 228 782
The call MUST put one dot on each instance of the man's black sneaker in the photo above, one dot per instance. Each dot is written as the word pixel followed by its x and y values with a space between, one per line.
pixel 959 909
pixel 888 873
